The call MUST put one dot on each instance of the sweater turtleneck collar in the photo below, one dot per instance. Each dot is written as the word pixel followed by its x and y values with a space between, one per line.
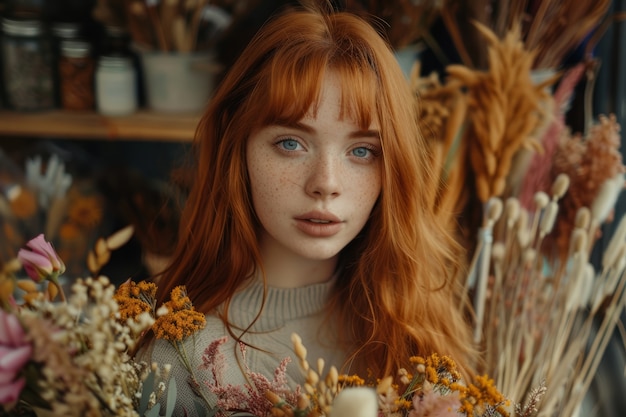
pixel 281 305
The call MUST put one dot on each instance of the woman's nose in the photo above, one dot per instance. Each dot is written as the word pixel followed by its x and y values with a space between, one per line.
pixel 324 177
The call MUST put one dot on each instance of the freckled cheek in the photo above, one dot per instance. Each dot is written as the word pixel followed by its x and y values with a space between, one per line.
pixel 271 186
pixel 368 188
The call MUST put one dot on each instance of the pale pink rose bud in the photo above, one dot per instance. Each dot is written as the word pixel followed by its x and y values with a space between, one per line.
pixel 11 331
pixel 10 392
pixel 43 247
pixel 13 359
pixel 37 266
pixel 40 259
pixel 15 352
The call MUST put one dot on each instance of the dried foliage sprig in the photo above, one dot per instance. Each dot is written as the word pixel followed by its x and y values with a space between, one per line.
pixel 507 109
pixel 557 28
pixel 554 29
pixel 164 25
pixel 596 171
pixel 442 117
pixel 404 21
pixel 534 170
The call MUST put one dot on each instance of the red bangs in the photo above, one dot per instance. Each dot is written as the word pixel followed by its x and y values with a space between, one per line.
pixel 290 88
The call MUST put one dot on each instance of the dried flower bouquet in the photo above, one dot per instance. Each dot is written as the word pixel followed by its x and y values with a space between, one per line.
pixel 72 357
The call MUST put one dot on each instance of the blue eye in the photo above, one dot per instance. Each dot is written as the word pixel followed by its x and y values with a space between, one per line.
pixel 361 152
pixel 289 144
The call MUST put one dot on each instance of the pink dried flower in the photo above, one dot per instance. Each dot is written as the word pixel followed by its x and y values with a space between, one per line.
pixel 15 352
pixel 40 260
pixel 430 403
pixel 248 397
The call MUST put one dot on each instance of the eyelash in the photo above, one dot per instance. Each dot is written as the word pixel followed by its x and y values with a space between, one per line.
pixel 280 142
pixel 374 151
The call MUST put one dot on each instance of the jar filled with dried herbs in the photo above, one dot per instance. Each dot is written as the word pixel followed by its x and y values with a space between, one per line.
pixel 61 32
pixel 27 60
pixel 76 75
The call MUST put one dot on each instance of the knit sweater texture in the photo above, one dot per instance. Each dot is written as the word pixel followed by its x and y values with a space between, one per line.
pixel 286 311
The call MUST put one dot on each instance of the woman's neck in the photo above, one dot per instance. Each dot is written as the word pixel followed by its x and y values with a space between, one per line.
pixel 285 269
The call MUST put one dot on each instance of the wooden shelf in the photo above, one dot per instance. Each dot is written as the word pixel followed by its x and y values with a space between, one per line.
pixel 142 125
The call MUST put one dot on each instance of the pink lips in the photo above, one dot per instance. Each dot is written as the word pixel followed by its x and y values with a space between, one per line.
pixel 318 224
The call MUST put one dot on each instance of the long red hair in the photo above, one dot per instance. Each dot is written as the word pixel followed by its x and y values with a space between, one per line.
pixel 395 294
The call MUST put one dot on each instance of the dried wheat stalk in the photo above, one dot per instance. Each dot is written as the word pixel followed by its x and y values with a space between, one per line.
pixel 507 110
pixel 442 116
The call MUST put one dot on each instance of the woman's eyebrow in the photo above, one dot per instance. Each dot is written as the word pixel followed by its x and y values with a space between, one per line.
pixel 367 133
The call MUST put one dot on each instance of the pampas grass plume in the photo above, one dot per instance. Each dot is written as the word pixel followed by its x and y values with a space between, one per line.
pixel 560 186
pixel 613 249
pixel 494 211
pixel 355 402
pixel 549 217
pixel 586 289
pixel 583 218
pixel 607 197
pixel 541 199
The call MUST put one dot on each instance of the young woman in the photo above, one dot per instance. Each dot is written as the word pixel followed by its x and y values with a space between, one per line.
pixel 311 211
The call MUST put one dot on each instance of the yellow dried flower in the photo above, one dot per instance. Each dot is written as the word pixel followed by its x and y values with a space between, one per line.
pixel 181 321
pixel 431 375
pixel 403 404
pixel 179 299
pixel 135 298
pixel 351 380
pixel 480 394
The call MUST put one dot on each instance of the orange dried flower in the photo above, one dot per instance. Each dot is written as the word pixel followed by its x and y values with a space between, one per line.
pixel 69 231
pixel 23 203
pixel 179 299
pixel 589 162
pixel 351 380
pixel 135 298
pixel 175 326
pixel 86 211
pixel 181 321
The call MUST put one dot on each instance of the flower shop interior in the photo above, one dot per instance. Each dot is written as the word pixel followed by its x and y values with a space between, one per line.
pixel 99 102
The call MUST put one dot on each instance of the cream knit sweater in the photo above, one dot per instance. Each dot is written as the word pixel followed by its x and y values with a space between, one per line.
pixel 299 310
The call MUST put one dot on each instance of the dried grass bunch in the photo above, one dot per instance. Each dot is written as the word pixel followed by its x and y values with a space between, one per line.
pixel 508 110
pixel 535 314
pixel 405 21
pixel 553 29
pixel 543 314
pixel 165 25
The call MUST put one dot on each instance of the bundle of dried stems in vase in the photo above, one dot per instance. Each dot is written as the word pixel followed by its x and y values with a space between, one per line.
pixel 554 29
pixel 165 25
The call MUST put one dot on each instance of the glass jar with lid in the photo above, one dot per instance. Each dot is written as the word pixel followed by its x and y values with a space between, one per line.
pixel 116 85
pixel 61 32
pixel 28 75
pixel 76 75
